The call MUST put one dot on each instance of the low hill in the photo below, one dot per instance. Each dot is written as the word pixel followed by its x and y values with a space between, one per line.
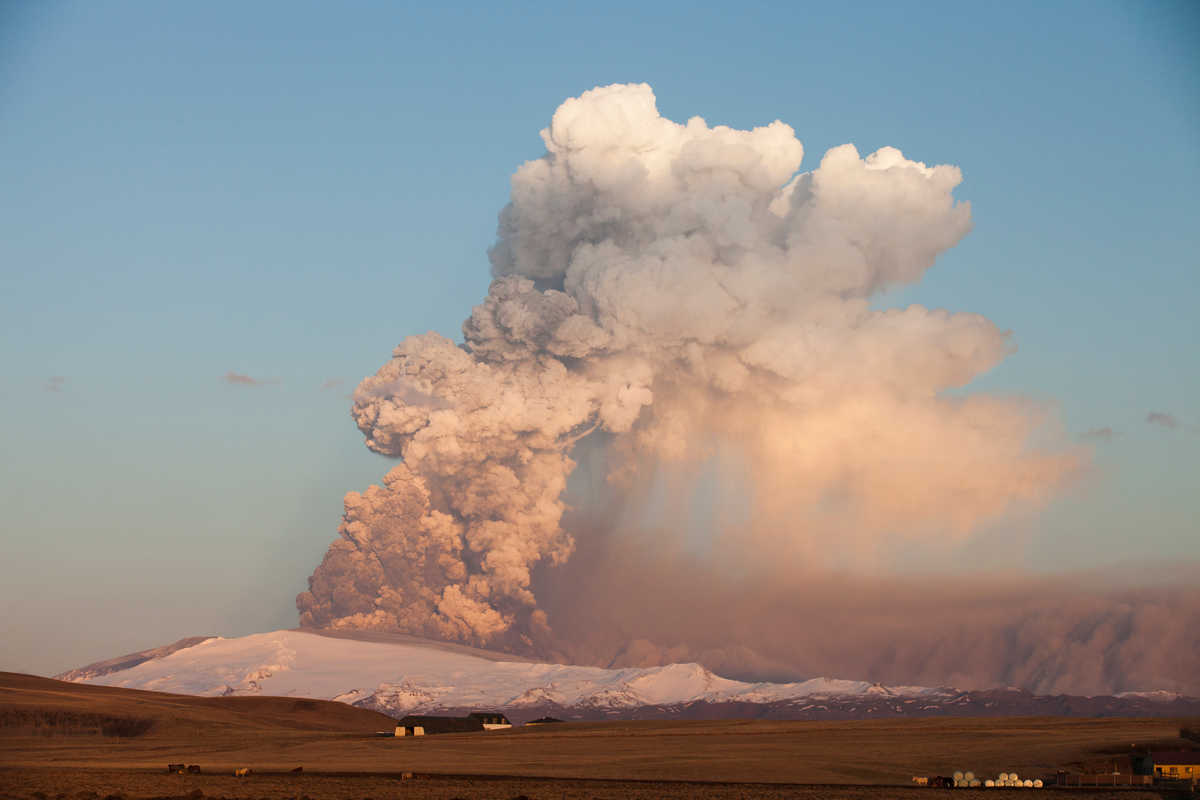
pixel 31 706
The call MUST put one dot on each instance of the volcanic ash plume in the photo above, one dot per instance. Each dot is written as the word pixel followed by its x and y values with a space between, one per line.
pixel 664 292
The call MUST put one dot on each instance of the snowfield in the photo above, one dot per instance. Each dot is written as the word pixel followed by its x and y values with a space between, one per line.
pixel 402 678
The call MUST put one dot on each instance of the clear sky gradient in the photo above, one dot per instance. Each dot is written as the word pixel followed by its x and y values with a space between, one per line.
pixel 284 190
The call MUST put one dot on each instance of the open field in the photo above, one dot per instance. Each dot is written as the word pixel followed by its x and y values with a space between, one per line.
pixel 98 784
pixel 54 740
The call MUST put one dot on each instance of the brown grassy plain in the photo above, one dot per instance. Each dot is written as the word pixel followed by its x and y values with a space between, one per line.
pixel 52 741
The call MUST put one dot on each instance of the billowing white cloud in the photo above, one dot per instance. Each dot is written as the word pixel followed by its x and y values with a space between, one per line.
pixel 666 287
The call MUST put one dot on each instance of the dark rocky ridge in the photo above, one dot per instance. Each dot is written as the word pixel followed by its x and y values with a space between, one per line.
pixel 129 661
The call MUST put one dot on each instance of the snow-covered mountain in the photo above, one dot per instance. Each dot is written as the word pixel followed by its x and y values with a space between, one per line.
pixel 406 675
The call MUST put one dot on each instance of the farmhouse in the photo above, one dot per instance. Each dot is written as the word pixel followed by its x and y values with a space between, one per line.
pixel 1177 764
pixel 424 724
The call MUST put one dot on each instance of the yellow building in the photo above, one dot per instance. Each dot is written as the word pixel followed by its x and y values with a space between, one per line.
pixel 1177 764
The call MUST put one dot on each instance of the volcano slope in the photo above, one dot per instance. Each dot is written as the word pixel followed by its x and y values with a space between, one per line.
pixel 61 738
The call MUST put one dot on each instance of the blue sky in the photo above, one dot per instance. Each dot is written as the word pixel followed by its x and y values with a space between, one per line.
pixel 286 190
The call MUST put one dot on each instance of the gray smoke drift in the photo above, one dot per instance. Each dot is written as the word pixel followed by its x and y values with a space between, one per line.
pixel 1080 633
pixel 667 293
